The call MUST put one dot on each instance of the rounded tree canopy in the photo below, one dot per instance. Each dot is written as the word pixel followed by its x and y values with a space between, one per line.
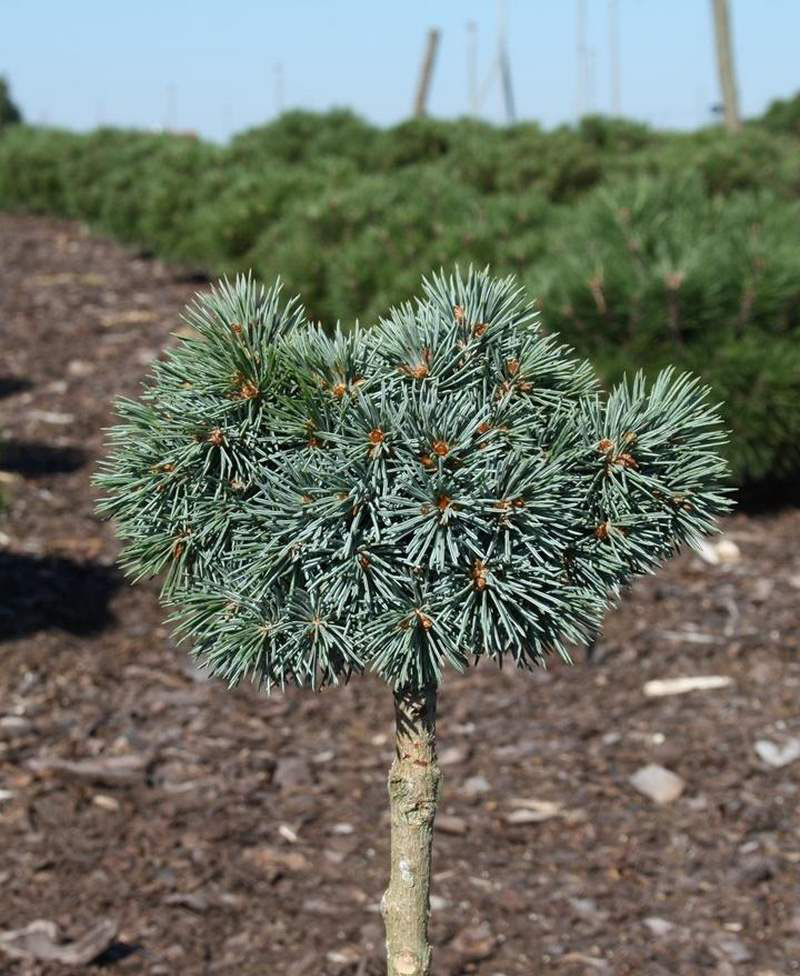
pixel 448 484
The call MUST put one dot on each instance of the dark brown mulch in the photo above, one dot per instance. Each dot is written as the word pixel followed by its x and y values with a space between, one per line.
pixel 244 835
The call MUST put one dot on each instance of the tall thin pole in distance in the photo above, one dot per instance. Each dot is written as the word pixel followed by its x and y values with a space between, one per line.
pixel 613 51
pixel 489 80
pixel 504 61
pixel 279 87
pixel 582 59
pixel 727 72
pixel 226 117
pixel 591 76
pixel 426 72
pixel 472 67
pixel 171 107
pixel 508 91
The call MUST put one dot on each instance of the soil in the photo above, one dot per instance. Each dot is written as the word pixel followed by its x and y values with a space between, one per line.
pixel 247 835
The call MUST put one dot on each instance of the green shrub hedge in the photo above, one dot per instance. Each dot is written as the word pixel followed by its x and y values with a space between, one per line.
pixel 643 246
pixel 656 271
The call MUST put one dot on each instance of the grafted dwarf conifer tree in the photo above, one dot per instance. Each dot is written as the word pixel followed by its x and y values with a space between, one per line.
pixel 447 485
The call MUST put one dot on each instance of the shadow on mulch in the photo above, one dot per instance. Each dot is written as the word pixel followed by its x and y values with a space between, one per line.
pixel 766 498
pixel 116 952
pixel 41 593
pixel 34 460
pixel 192 276
pixel 10 385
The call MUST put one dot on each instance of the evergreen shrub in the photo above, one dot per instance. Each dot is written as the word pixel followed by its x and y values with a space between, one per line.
pixel 782 115
pixel 445 486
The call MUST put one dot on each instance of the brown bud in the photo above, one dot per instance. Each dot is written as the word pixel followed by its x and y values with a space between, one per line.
pixel 236 328
pixel 248 390
pixel 674 279
pixel 479 328
pixel 427 461
pixel 602 531
pixel 338 391
pixel 363 561
pixel 442 448
pixel 513 367
pixel 479 575
pixel 626 461
pixel 425 622
pixel 605 446
pixel 458 313
pixel 314 442
pixel 216 437
pixel 518 503
pixel 306 499
pixel 443 503
pixel 417 371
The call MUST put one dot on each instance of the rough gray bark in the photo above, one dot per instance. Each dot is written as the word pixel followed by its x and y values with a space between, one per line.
pixel 413 792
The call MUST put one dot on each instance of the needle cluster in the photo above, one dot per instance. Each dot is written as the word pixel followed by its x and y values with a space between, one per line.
pixel 448 484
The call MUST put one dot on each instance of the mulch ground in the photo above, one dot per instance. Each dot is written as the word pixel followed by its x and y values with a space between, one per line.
pixel 245 835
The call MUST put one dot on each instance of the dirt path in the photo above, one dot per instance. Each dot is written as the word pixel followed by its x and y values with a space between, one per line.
pixel 248 836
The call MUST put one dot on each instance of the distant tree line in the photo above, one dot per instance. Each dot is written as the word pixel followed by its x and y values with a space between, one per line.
pixel 643 246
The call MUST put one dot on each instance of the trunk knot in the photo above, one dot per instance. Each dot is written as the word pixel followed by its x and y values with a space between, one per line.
pixel 407 964
pixel 406 873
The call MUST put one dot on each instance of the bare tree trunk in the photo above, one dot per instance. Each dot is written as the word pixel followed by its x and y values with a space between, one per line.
pixel 727 73
pixel 413 792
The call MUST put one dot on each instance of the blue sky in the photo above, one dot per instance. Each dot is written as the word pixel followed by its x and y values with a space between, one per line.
pixel 211 67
